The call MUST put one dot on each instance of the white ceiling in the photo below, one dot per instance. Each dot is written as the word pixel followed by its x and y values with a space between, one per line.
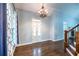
pixel 34 7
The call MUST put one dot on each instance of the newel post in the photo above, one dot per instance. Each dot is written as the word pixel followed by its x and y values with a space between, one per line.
pixel 65 40
pixel 77 43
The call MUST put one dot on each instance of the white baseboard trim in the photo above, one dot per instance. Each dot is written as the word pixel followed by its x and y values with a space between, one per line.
pixel 37 42
pixel 30 43
pixel 56 39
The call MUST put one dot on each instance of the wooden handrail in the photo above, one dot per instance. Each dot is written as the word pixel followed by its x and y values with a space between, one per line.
pixel 73 28
pixel 66 39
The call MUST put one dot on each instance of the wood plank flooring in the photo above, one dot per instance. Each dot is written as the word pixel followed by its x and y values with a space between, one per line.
pixel 46 48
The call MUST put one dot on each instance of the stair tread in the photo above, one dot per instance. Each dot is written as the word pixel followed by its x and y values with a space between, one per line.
pixel 71 51
pixel 72 47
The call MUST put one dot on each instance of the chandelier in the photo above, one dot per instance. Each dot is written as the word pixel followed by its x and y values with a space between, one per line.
pixel 43 12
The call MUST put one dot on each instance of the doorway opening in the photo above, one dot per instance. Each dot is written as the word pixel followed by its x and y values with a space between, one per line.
pixel 36 30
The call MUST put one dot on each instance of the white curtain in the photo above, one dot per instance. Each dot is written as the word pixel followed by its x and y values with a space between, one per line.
pixel 11 29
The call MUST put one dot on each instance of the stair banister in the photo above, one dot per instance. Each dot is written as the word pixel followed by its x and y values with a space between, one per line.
pixel 66 39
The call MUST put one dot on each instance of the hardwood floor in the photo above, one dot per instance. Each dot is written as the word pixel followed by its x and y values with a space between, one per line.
pixel 46 48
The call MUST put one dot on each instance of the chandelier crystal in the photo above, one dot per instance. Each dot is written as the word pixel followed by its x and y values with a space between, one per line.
pixel 43 12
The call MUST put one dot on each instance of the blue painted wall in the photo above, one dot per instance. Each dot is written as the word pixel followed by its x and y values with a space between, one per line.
pixel 71 14
pixel 57 23
pixel 65 12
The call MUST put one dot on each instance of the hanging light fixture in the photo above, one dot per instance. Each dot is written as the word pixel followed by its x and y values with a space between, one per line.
pixel 43 12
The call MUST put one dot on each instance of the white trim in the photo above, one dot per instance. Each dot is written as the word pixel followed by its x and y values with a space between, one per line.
pixel 69 52
pixel 56 39
pixel 73 48
pixel 30 43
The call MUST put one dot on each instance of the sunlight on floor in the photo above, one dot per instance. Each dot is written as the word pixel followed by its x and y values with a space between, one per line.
pixel 37 51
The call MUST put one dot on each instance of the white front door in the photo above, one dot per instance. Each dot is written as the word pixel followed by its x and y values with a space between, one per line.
pixel 36 30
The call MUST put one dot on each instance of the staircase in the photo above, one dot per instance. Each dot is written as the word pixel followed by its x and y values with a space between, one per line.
pixel 71 50
pixel 71 41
